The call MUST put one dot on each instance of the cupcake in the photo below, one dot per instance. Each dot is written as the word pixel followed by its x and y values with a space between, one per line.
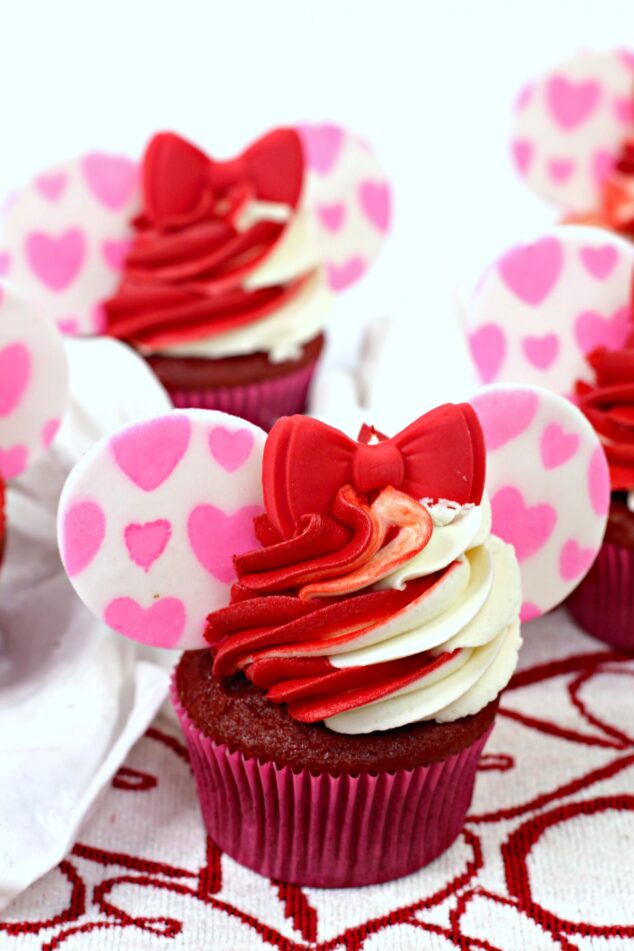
pixel 33 389
pixel 221 274
pixel 557 312
pixel 573 139
pixel 602 604
pixel 347 616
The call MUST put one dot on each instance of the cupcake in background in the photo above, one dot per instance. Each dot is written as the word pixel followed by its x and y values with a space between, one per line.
pixel 557 312
pixel 573 139
pixel 349 619
pixel 221 274
pixel 603 602
pixel 33 389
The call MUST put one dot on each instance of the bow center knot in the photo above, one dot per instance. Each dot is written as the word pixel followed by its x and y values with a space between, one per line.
pixel 377 466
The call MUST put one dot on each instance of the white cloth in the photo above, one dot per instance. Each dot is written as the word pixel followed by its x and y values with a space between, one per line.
pixel 74 697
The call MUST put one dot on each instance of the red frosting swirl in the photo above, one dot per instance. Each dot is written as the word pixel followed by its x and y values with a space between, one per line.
pixel 310 588
pixel 608 404
pixel 183 277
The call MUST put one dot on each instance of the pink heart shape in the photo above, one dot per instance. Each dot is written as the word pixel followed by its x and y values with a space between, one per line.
pixel 624 110
pixel 374 198
pixel 342 275
pixel 149 452
pixel 15 373
pixel 83 532
pixel 49 431
pixel 146 542
pixel 115 253
pixel 69 326
pixel 322 144
pixel 527 528
pixel 216 537
pixel 571 102
pixel 13 461
pixel 531 271
pixel 522 152
pixel 488 347
pixel 560 169
pixel 593 330
pixel 56 261
pixel 51 186
pixel 541 351
pixel 528 611
pixel 332 216
pixel 602 165
pixel 230 449
pixel 599 482
pixel 574 560
pixel 5 264
pixel 557 447
pixel 504 414
pixel 160 625
pixel 600 261
pixel 111 178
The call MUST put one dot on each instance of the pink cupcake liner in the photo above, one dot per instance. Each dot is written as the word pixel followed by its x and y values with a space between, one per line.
pixel 328 831
pixel 261 402
pixel 603 604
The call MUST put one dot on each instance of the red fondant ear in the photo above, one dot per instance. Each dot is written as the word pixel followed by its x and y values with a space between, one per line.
pixel 174 177
pixel 276 167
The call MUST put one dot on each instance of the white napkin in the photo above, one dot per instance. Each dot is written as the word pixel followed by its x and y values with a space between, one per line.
pixel 74 697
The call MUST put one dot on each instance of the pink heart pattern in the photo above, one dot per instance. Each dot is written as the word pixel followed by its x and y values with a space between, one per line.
pixel 488 347
pixel 502 422
pixel 571 103
pixel 574 560
pixel 541 351
pixel 216 537
pixel 332 216
pixel 341 276
pixel 556 446
pixel 52 186
pixel 56 260
pixel 149 452
pixel 112 179
pixel 374 198
pixel 599 482
pixel 593 330
pixel 560 169
pixel 160 625
pixel 531 271
pixel 147 542
pixel 83 532
pixel 527 528
pixel 13 461
pixel 522 152
pixel 322 144
pixel 49 431
pixel 600 261
pixel 114 253
pixel 230 449
pixel 15 373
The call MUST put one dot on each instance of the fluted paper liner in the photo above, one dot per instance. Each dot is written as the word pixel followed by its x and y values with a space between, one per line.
pixel 603 604
pixel 328 831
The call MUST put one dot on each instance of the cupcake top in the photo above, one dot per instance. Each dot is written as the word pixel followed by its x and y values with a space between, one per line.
pixel 33 387
pixel 186 255
pixel 359 581
pixel 572 138
pixel 608 402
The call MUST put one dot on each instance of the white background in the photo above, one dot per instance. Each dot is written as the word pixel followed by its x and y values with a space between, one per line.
pixel 429 82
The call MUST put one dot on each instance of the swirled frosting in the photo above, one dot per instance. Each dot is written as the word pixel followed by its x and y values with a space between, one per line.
pixel 385 613
pixel 224 260
pixel 608 403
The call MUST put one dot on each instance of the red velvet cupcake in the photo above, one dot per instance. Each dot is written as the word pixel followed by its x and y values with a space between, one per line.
pixel 603 603
pixel 221 273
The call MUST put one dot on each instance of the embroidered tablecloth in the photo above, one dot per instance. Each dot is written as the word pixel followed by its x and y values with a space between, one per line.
pixel 545 861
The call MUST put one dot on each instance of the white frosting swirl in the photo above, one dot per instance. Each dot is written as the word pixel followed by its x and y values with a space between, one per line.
pixel 471 616
pixel 283 334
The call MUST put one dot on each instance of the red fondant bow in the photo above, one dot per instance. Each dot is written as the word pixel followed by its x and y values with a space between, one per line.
pixel 440 456
pixel 182 185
